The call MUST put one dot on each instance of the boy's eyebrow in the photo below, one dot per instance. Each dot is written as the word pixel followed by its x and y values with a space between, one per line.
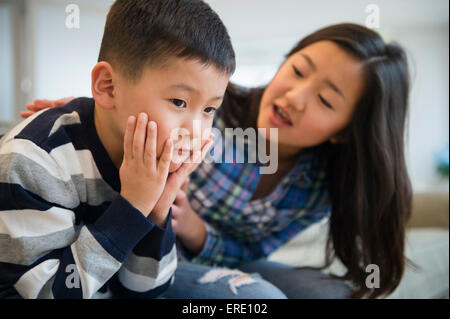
pixel 185 87
pixel 328 82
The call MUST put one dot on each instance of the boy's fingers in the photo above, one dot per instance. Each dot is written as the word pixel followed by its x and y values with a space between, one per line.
pixel 128 139
pixel 174 225
pixel 139 136
pixel 185 185
pixel 166 156
pixel 197 157
pixel 150 145
pixel 181 195
pixel 206 149
pixel 175 211
pixel 187 167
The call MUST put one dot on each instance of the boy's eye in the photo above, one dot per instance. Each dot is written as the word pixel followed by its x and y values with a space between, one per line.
pixel 210 110
pixel 178 103
pixel 297 72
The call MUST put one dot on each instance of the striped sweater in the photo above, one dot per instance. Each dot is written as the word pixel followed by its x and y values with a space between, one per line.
pixel 65 231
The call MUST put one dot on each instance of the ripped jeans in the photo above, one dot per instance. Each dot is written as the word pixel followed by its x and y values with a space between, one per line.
pixel 194 281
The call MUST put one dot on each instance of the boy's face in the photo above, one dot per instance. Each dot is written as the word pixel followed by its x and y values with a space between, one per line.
pixel 179 96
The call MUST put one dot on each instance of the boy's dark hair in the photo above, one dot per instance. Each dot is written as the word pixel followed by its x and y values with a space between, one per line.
pixel 141 33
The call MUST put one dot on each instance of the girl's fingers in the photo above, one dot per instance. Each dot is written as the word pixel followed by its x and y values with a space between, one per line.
pixel 62 101
pixel 31 107
pixel 139 136
pixel 150 145
pixel 26 114
pixel 41 104
pixel 128 139
pixel 166 157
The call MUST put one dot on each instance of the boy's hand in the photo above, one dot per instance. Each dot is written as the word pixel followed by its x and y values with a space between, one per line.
pixel 175 181
pixel 38 105
pixel 186 224
pixel 143 177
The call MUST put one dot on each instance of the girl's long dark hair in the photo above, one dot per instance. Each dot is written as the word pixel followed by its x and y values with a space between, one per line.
pixel 369 187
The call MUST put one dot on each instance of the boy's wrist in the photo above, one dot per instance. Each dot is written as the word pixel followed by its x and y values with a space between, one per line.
pixel 158 219
pixel 144 207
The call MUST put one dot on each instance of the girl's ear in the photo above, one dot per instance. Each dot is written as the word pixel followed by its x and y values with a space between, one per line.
pixel 340 138
pixel 337 140
pixel 102 85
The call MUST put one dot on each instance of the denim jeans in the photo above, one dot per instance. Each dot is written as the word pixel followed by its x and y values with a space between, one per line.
pixel 188 285
pixel 272 280
pixel 300 283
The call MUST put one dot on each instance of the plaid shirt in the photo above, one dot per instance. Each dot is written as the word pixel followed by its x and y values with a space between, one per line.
pixel 240 229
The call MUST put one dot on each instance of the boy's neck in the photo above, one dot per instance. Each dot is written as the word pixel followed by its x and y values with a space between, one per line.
pixel 108 139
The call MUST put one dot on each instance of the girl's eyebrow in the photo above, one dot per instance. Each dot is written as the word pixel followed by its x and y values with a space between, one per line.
pixel 328 82
pixel 310 62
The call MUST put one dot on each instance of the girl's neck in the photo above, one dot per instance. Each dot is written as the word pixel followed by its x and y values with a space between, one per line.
pixel 286 153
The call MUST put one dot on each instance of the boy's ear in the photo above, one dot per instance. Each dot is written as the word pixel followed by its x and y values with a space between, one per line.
pixel 102 85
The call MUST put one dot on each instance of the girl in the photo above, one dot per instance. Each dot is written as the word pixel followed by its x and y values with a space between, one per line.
pixel 339 102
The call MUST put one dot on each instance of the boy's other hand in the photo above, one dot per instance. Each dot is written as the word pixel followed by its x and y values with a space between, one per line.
pixel 186 224
pixel 176 180
pixel 143 177
pixel 38 105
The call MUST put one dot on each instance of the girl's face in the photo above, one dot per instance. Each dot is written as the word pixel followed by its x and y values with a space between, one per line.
pixel 312 97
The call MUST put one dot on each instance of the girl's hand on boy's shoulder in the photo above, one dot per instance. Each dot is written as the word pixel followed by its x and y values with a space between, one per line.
pixel 41 104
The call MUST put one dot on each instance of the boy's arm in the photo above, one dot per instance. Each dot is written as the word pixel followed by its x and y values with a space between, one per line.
pixel 149 268
pixel 151 265
pixel 43 253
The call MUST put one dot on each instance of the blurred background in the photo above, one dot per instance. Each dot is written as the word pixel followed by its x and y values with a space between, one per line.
pixel 46 52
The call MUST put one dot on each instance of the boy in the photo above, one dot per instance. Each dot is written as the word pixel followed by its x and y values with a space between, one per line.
pixel 85 190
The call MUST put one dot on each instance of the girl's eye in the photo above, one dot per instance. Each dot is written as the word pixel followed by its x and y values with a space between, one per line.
pixel 210 110
pixel 178 103
pixel 325 102
pixel 297 72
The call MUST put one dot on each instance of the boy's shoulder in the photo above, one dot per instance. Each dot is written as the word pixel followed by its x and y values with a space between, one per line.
pixel 48 128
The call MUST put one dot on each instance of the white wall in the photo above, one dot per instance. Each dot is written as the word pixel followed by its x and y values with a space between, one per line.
pixel 6 65
pixel 262 32
pixel 62 57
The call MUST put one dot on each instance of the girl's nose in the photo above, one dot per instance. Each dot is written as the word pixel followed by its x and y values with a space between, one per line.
pixel 297 97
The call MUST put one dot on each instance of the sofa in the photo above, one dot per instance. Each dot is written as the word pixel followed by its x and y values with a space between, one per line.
pixel 427 246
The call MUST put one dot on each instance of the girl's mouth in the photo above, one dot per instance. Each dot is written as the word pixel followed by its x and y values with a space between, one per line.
pixel 279 117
